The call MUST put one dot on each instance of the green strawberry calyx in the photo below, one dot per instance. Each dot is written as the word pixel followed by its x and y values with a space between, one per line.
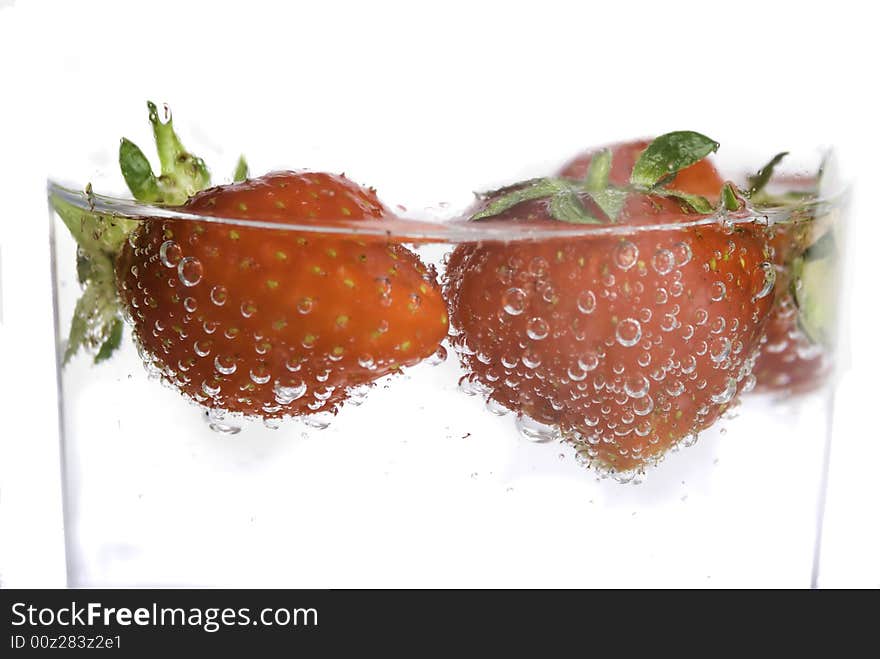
pixel 654 173
pixel 97 326
pixel 814 261
pixel 814 289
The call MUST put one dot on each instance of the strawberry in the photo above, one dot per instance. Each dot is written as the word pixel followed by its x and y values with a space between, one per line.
pixel 626 344
pixel 263 319
pixel 701 178
pixel 276 322
pixel 791 360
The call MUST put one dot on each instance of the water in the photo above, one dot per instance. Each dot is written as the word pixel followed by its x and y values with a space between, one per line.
pixel 412 471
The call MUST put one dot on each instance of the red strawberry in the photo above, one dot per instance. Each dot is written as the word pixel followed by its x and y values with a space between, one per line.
pixel 276 322
pixel 627 343
pixel 790 361
pixel 701 178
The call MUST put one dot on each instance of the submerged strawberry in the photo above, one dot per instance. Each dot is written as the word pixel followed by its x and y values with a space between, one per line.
pixel 259 315
pixel 274 322
pixel 625 344
pixel 795 357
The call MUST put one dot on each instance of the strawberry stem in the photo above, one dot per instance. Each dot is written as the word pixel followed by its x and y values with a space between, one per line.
pixel 183 174
pixel 97 323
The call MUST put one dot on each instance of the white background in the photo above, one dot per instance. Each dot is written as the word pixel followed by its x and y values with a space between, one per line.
pixel 448 88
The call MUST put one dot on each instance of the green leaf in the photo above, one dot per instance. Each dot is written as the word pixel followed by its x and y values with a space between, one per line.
pixel 137 172
pixel 84 269
pixel 697 202
pixel 815 292
pixel 112 342
pixel 758 181
pixel 824 247
pixel 566 206
pixel 600 169
pixel 730 197
pixel 96 314
pixel 535 189
pixel 79 327
pixel 610 200
pixel 669 154
pixel 241 170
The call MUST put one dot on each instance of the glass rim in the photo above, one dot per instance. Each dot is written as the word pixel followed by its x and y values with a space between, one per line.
pixel 454 230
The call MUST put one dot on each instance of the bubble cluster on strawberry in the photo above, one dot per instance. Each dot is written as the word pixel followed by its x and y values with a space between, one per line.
pixel 626 344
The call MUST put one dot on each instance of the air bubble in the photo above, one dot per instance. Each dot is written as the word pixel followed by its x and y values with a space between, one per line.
pixel 719 349
pixel 726 394
pixel 319 421
pixel 219 295
pixel 588 361
pixel 216 422
pixel 190 271
pixel 211 389
pixel 717 291
pixel 629 332
pixel 626 254
pixel 636 386
pixel 438 357
pixel 260 375
pixel 586 302
pixel 225 365
pixel 538 266
pixel 286 394
pixel 203 348
pixel 531 359
pixel 535 431
pixel 682 253
pixel 668 323
pixel 643 406
pixel 169 254
pixel 675 388
pixel 576 373
pixel 496 408
pixel 514 301
pixel 769 281
pixel 688 364
pixel 663 261
pixel 537 329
